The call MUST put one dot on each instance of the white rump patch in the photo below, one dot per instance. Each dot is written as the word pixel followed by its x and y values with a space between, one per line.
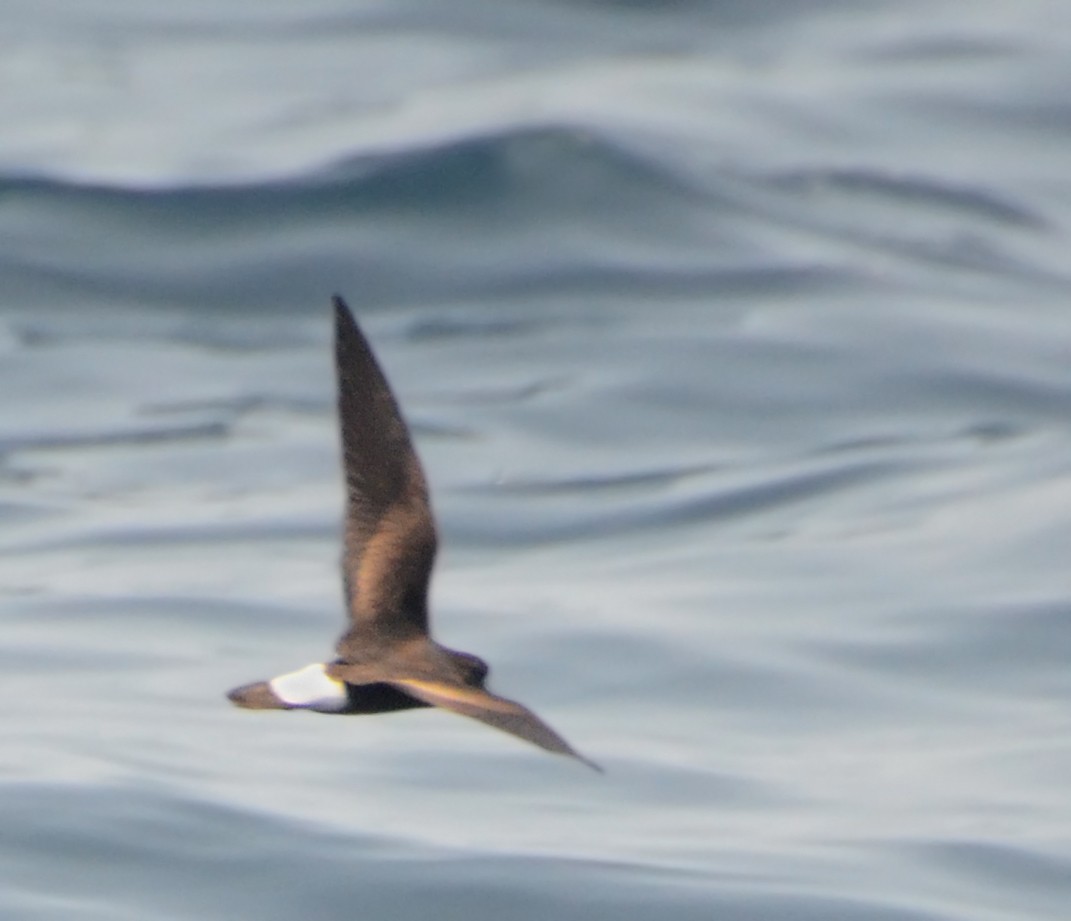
pixel 310 687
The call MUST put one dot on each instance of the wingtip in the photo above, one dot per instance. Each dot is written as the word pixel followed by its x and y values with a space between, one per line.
pixel 559 746
pixel 340 305
pixel 597 768
pixel 345 322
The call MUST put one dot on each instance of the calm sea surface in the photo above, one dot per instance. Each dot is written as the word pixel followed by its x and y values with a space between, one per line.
pixel 736 340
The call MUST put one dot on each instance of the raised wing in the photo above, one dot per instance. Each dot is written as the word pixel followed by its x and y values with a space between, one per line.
pixel 507 715
pixel 389 541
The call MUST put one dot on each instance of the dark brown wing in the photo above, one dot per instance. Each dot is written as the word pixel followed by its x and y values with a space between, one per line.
pixel 389 541
pixel 507 715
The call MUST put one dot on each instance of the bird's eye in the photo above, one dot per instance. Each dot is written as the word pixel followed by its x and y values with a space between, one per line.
pixel 479 668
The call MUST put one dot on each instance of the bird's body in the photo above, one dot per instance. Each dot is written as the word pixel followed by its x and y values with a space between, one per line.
pixel 387 659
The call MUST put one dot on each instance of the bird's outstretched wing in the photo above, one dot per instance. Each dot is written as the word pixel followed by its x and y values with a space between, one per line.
pixel 389 541
pixel 507 715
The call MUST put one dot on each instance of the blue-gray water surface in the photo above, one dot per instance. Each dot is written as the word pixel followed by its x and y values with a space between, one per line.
pixel 736 340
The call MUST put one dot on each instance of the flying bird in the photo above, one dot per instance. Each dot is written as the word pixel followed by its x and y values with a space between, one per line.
pixel 386 658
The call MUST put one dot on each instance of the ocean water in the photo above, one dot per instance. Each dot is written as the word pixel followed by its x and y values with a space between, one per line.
pixel 736 340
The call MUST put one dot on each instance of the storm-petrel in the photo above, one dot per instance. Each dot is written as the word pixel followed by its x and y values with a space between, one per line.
pixel 387 659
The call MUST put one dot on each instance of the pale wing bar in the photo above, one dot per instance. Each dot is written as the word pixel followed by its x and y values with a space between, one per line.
pixel 507 715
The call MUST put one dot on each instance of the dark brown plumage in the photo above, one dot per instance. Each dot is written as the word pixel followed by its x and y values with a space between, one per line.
pixel 387 659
